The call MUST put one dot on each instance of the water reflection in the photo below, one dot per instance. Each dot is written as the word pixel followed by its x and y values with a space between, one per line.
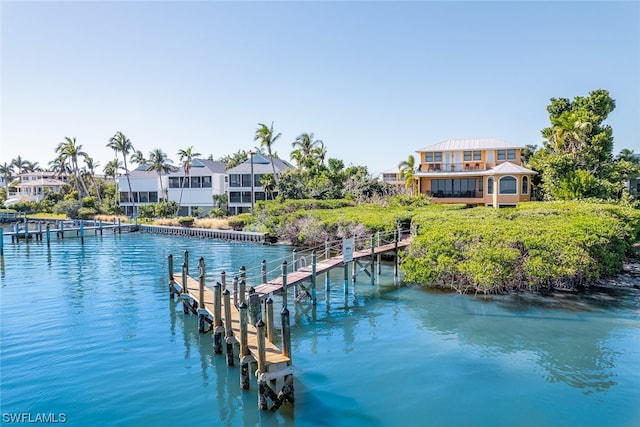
pixel 554 328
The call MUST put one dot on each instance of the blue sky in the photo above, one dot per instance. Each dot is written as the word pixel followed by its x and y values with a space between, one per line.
pixel 374 80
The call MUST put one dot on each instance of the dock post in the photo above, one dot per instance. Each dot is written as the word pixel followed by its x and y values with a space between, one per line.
pixel 269 316
pixel 286 332
pixel 119 227
pixel 170 264
pixel 186 261
pixel 26 230
pixel 48 228
pixel 223 278
pixel 262 359
pixel 1 243
pixel 100 226
pixel 293 260
pixel 242 292
pixel 284 283
pixel 379 256
pixel 217 318
pixel 263 270
pixel 354 270
pixel 202 312
pixel 244 349
pixel 373 260
pixel 327 284
pixel 395 253
pixel 185 303
pixel 255 313
pixel 243 273
pixel 346 278
pixel 39 230
pixel 228 332
pixel 313 277
pixel 82 232
pixel 235 291
pixel 327 249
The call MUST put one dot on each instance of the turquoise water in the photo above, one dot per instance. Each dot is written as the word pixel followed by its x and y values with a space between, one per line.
pixel 88 334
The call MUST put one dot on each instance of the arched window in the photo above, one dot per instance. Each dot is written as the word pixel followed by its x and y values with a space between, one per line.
pixel 490 185
pixel 508 185
pixel 525 185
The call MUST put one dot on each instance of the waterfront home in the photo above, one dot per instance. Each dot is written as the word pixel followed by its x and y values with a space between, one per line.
pixel 479 171
pixel 195 192
pixel 242 194
pixel 145 185
pixel 392 177
pixel 33 186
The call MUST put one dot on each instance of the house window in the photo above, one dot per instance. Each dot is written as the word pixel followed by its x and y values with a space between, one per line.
pixel 124 197
pixel 195 182
pixel 511 154
pixel 428 157
pixel 246 197
pixel 206 182
pixel 490 185
pixel 256 179
pixel 508 185
pixel 174 182
pixel 260 195
pixel 502 154
pixel 235 180
pixel 234 196
pixel 246 180
pixel 477 155
pixel 153 196
pixel 525 185
pixel 437 156
pixel 144 197
pixel 467 156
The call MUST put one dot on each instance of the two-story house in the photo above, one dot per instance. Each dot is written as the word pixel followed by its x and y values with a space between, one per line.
pixel 484 172
pixel 195 192
pixel 145 186
pixel 242 194
pixel 33 186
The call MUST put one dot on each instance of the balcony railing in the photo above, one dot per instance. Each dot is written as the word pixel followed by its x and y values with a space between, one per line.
pixel 453 167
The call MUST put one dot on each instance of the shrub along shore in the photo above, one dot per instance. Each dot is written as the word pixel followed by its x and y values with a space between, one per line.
pixel 535 246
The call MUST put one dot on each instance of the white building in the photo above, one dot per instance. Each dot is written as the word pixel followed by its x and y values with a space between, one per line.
pixel 240 195
pixel 33 186
pixel 207 178
pixel 145 188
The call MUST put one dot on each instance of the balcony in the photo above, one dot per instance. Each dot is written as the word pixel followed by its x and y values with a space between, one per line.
pixel 452 167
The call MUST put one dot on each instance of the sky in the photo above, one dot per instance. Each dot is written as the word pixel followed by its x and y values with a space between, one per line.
pixel 375 81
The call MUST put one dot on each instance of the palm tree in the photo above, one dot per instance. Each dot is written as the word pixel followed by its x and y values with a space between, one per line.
pixel 305 149
pixel 7 173
pixel 59 167
pixel 159 162
pixel 266 137
pixel 121 144
pixel 407 171
pixel 91 166
pixel 268 183
pixel 111 168
pixel 138 157
pixel 186 157
pixel 70 151
pixel 20 164
pixel 32 166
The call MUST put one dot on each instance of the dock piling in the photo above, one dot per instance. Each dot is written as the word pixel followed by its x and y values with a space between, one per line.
pixel 286 332
pixel 313 277
pixel 373 260
pixel 228 332
pixel 82 232
pixel 244 349
pixel 48 231
pixel 235 291
pixel 185 302
pixel 346 278
pixel 170 265
pixel 284 283
pixel 217 318
pixel 263 270
pixel 269 317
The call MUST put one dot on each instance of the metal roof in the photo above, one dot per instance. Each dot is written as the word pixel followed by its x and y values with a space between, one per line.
pixel 470 144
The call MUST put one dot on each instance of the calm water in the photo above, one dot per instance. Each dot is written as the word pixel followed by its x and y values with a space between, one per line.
pixel 89 332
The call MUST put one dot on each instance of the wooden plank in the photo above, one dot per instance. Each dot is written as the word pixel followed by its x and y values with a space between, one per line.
pixel 274 354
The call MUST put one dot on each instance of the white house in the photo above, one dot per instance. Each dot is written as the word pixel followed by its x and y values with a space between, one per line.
pixel 33 186
pixel 145 188
pixel 240 188
pixel 195 193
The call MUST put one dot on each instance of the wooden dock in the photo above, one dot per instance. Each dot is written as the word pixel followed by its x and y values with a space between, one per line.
pixel 220 314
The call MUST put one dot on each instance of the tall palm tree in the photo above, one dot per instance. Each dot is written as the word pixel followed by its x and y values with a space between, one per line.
pixel 305 149
pixel 407 171
pixel 138 157
pixel 6 169
pixel 32 166
pixel 186 157
pixel 70 150
pixel 111 168
pixel 121 144
pixel 19 164
pixel 266 137
pixel 91 168
pixel 159 162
